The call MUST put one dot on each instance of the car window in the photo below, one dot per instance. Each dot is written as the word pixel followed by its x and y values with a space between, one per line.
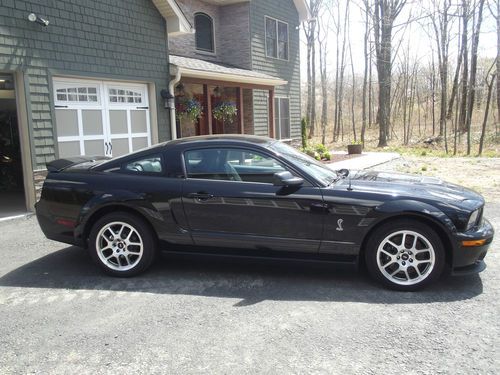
pixel 145 165
pixel 232 165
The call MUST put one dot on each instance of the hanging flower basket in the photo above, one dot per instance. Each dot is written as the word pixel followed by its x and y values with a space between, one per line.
pixel 189 109
pixel 225 111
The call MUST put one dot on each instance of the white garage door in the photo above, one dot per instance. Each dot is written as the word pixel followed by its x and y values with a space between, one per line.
pixel 100 117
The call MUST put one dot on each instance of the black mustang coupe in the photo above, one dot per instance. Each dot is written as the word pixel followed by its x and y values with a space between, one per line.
pixel 257 197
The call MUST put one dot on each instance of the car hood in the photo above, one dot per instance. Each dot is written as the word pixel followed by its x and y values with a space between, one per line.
pixel 410 186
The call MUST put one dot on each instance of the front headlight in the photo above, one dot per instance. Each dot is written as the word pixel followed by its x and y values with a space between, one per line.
pixel 473 219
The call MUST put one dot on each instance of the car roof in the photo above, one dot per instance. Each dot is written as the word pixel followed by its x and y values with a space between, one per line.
pixel 181 143
pixel 221 138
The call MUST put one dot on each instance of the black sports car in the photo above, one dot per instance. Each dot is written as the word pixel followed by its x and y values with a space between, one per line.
pixel 258 197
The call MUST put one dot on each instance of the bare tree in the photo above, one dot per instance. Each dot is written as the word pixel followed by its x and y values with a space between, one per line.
pixel 489 85
pixel 323 48
pixel 365 72
pixel 440 24
pixel 341 28
pixel 496 15
pixel 473 73
pixel 465 70
pixel 311 34
pixel 384 14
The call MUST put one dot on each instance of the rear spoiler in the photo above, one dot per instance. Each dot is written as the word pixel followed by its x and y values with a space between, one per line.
pixel 61 164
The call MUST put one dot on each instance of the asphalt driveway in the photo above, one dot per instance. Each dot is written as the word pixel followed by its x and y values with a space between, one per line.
pixel 59 314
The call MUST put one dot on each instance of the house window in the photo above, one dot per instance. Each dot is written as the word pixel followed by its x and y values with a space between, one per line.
pixel 204 37
pixel 282 118
pixel 276 39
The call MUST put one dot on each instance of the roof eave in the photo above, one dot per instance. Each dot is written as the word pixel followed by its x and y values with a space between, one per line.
pixel 177 22
pixel 227 77
pixel 303 9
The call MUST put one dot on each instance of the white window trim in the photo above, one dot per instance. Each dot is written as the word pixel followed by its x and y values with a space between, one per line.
pixel 277 115
pixel 202 51
pixel 277 39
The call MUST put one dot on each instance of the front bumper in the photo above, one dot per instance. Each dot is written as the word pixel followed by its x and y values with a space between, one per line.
pixel 469 259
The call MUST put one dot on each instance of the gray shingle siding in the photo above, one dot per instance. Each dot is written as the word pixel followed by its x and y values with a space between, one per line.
pixel 105 39
pixel 289 70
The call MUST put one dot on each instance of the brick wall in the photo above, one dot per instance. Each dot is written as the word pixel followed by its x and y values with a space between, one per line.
pixel 248 111
pixel 104 39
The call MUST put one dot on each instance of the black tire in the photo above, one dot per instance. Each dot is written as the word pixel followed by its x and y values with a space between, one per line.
pixel 402 279
pixel 136 263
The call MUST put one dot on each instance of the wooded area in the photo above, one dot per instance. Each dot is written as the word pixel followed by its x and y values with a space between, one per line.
pixel 444 95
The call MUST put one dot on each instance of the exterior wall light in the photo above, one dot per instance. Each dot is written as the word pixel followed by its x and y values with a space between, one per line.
pixel 32 17
pixel 168 98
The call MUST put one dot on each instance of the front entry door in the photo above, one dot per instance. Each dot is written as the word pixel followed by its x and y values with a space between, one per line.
pixel 230 200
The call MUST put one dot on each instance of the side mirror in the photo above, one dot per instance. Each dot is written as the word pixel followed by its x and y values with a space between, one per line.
pixel 287 179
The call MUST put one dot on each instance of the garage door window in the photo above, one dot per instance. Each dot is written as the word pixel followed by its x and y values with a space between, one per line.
pixel 117 95
pixel 101 118
pixel 81 94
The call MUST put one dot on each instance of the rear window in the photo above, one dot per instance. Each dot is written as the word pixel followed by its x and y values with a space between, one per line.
pixel 150 164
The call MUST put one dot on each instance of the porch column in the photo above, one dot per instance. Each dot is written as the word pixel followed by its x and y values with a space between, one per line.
pixel 239 105
pixel 208 113
pixel 271 113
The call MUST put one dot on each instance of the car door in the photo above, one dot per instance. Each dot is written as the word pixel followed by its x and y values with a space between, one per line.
pixel 229 200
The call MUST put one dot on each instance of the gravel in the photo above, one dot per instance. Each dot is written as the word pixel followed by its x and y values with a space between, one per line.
pixel 59 314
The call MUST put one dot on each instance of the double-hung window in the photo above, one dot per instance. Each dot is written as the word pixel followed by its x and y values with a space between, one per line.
pixel 276 39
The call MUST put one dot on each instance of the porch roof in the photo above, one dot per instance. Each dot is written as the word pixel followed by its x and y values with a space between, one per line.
pixel 202 69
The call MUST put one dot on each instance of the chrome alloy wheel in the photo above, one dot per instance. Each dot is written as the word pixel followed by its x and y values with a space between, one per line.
pixel 119 246
pixel 406 257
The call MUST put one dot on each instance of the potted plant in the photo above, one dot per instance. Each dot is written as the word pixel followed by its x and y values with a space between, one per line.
pixel 355 147
pixel 225 111
pixel 190 109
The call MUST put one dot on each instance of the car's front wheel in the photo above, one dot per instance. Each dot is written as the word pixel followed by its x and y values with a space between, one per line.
pixel 122 244
pixel 405 255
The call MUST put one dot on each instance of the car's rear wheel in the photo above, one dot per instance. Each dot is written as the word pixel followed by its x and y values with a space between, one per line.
pixel 122 244
pixel 405 255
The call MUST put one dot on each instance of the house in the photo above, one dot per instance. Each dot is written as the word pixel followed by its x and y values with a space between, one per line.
pixel 88 77
pixel 242 53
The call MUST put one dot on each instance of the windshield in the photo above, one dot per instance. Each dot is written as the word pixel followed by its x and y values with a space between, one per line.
pixel 306 163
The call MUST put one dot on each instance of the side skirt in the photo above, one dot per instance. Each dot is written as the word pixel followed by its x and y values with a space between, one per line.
pixel 192 252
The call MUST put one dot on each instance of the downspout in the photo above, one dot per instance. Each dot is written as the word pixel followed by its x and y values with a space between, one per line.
pixel 171 91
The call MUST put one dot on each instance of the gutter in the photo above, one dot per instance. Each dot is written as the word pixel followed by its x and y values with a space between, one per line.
pixel 171 91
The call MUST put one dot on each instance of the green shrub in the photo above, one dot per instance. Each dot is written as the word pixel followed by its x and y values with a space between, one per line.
pixel 318 151
pixel 303 132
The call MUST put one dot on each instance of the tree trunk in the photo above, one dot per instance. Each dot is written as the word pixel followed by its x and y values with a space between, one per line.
pixel 465 71
pixel 365 73
pixel 486 111
pixel 473 73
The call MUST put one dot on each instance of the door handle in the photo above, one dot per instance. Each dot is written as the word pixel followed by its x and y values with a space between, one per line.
pixel 110 148
pixel 106 145
pixel 200 196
